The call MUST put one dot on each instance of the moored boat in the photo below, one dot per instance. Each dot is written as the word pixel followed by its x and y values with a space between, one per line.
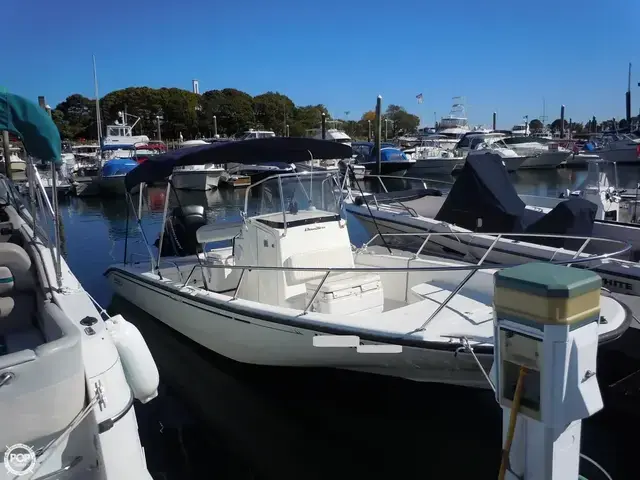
pixel 69 373
pixel 290 290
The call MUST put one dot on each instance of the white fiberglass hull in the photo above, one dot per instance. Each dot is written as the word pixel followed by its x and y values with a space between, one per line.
pixel 545 160
pixel 268 336
pixel 621 155
pixel 436 166
pixel 619 276
pixel 196 179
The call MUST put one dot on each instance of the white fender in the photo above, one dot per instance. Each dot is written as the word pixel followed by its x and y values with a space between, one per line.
pixel 139 367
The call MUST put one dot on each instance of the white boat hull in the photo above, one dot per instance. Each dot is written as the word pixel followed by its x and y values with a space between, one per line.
pixel 436 166
pixel 545 160
pixel 200 180
pixel 244 337
pixel 622 155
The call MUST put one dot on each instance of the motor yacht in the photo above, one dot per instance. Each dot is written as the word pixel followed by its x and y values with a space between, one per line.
pixel 196 177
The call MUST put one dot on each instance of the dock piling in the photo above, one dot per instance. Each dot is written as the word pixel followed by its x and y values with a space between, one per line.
pixel 378 134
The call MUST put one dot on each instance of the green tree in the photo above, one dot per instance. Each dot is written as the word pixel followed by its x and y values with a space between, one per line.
pixel 306 118
pixel 273 111
pixel 403 121
pixel 75 117
pixel 555 125
pixel 536 125
pixel 143 102
pixel 577 127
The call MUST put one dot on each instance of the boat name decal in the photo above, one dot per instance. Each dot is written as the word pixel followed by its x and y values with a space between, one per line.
pixel 309 229
pixel 617 283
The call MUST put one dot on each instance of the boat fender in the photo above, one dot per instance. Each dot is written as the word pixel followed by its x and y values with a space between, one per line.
pixel 140 369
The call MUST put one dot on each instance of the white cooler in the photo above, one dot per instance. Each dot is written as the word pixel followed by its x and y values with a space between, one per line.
pixel 347 294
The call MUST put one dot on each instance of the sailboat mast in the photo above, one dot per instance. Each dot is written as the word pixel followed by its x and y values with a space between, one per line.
pixel 98 119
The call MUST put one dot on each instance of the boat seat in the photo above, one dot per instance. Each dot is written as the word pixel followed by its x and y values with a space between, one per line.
pixel 17 260
pixel 218 232
pixel 17 305
pixel 330 257
pixel 48 377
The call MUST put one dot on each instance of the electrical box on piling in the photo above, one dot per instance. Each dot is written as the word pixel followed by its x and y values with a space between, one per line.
pixel 546 331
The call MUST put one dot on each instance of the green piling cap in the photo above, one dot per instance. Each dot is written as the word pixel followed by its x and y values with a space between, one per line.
pixel 548 280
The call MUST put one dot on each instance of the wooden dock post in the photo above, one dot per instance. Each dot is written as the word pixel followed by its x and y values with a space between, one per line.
pixel 324 126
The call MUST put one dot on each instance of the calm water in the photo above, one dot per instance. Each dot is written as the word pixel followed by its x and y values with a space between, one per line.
pixel 220 419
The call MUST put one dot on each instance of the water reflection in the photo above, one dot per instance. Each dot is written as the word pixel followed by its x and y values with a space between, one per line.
pixel 221 419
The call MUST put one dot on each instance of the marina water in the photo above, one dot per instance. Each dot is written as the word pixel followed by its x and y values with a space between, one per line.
pixel 216 418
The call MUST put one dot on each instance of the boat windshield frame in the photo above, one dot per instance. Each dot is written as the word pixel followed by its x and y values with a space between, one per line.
pixel 303 183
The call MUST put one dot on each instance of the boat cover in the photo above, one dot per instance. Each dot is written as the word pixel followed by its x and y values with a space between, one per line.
pixel 255 151
pixel 118 166
pixel 571 217
pixel 483 191
pixel 32 124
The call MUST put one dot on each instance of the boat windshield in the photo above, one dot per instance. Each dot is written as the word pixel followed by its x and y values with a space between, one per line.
pixel 291 195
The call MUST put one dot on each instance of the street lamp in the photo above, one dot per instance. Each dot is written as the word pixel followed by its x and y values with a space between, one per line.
pixel 158 120
pixel 386 128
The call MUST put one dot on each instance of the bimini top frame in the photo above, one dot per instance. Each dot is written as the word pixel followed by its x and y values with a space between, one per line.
pixel 251 152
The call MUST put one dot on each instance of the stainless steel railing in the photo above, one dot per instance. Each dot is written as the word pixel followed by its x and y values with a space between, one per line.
pixel 577 257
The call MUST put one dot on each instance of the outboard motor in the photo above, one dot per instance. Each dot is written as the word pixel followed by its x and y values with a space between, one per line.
pixel 180 231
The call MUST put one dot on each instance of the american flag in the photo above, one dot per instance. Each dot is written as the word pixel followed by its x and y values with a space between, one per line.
pixel 420 98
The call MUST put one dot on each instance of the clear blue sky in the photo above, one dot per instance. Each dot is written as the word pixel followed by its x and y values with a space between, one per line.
pixel 501 55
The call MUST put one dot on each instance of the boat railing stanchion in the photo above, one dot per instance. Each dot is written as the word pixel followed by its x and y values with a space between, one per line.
pixel 56 223
pixel 315 294
pixel 579 252
pixel 140 190
pixel 284 213
pixel 144 236
pixel 417 254
pixel 384 187
pixel 457 289
pixel 235 294
pixel 32 192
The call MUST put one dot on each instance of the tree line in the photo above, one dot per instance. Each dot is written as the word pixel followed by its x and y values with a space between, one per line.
pixel 592 126
pixel 192 115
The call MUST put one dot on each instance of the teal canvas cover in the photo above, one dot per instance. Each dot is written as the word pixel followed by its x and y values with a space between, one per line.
pixel 32 124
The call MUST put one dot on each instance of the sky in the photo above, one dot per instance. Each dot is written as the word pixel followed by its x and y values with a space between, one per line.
pixel 502 56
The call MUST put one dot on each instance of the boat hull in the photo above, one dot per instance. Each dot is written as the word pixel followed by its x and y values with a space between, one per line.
pixel 200 180
pixel 387 168
pixel 262 337
pixel 626 155
pixel 113 185
pixel 545 160
pixel 436 166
